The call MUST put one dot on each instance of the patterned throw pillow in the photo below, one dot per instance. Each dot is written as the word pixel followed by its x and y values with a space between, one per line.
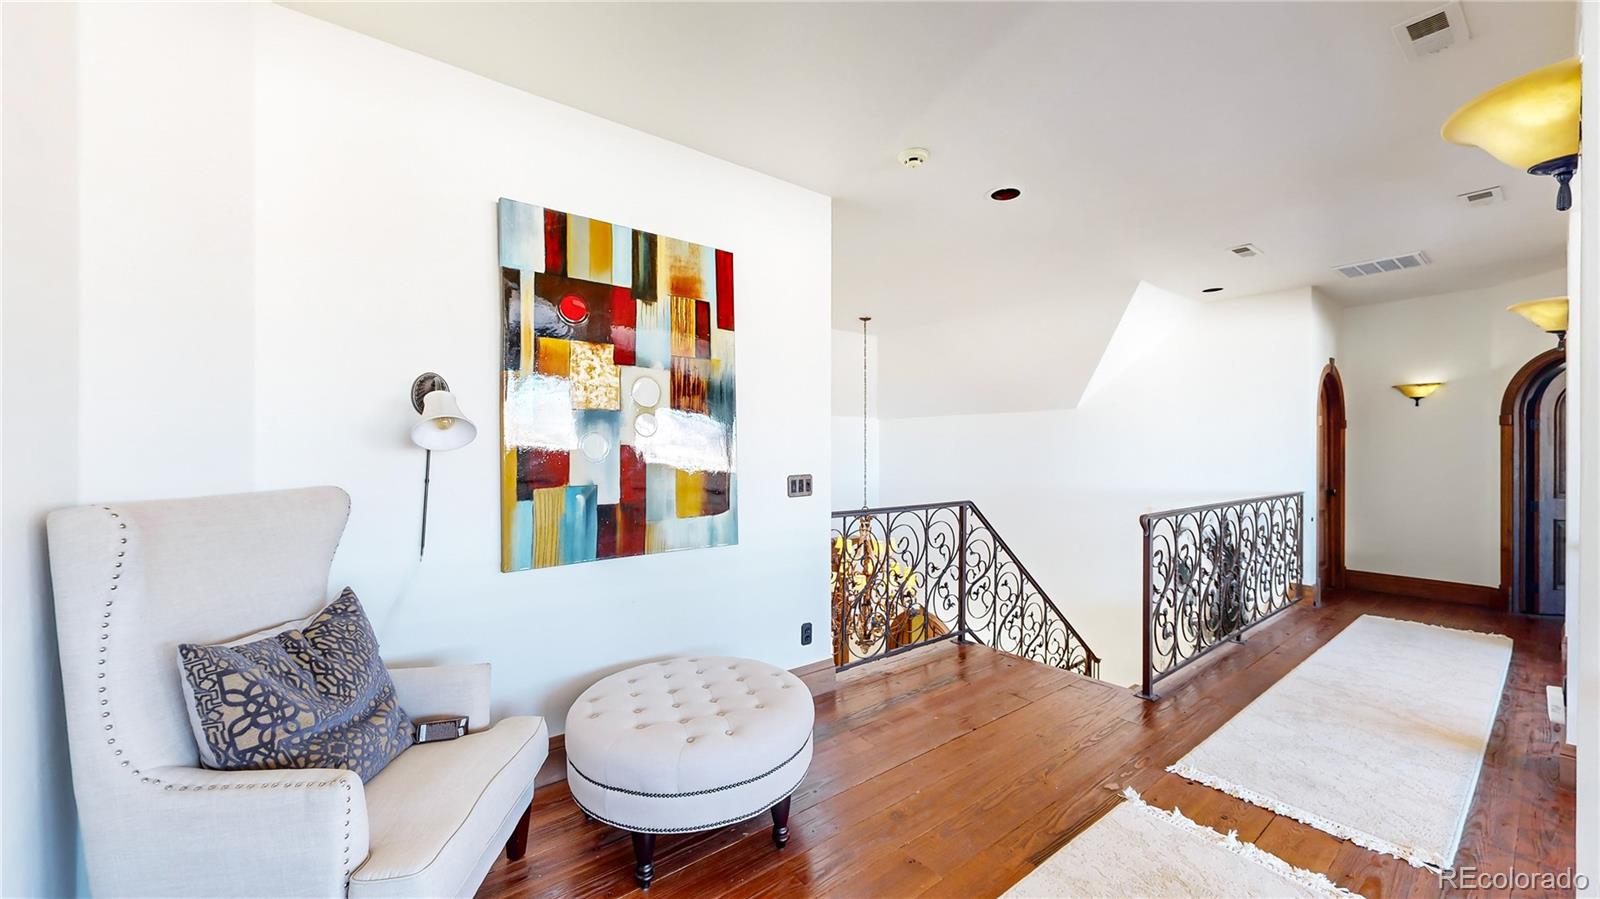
pixel 309 694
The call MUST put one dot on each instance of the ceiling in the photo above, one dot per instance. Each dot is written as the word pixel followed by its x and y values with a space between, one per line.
pixel 1147 138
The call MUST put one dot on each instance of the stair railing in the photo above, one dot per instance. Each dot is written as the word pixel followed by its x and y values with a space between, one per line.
pixel 1211 572
pixel 909 576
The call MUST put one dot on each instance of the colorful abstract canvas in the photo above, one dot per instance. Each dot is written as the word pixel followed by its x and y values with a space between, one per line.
pixel 617 391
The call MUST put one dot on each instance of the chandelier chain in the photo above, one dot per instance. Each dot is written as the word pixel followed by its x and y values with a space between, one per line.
pixel 864 456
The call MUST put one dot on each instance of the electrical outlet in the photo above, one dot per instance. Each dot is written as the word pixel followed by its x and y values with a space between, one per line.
pixel 799 485
pixel 805 634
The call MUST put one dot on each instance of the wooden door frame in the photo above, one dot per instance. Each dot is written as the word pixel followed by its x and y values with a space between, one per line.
pixel 1513 464
pixel 1331 423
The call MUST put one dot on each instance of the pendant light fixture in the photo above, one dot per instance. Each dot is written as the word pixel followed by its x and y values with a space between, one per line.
pixel 1550 314
pixel 1530 123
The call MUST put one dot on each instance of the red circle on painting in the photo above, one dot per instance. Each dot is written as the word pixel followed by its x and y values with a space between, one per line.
pixel 573 308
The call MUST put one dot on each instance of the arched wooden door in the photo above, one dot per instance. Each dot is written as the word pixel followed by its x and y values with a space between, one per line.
pixel 1533 486
pixel 1330 479
pixel 1547 499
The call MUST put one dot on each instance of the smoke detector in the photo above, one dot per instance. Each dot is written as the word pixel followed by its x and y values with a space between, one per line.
pixel 913 157
pixel 1432 31
pixel 1245 250
pixel 1488 196
pixel 1380 266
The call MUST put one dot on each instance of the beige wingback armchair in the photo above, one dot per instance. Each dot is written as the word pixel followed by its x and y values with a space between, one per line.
pixel 132 581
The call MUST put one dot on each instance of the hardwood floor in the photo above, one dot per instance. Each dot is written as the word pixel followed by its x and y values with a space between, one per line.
pixel 953 771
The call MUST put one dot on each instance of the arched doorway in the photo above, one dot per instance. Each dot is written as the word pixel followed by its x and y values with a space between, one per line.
pixel 1330 479
pixel 1533 486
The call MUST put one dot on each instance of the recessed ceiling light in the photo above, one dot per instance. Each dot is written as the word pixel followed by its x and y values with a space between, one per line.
pixel 1211 290
pixel 1006 193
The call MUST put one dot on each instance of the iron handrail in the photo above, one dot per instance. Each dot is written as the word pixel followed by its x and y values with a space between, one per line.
pixel 894 573
pixel 1223 568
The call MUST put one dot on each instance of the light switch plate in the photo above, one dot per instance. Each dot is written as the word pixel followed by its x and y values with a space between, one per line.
pixel 799 485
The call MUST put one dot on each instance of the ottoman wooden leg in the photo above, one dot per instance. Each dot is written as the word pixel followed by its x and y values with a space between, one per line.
pixel 644 851
pixel 780 823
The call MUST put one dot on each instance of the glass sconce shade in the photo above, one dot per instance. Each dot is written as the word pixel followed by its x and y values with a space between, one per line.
pixel 1530 123
pixel 442 426
pixel 1550 314
pixel 1416 392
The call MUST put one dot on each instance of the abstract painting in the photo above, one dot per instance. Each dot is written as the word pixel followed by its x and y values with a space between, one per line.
pixel 617 391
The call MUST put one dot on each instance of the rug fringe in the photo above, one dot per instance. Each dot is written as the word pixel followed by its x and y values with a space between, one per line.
pixel 1410 854
pixel 1230 841
pixel 1457 630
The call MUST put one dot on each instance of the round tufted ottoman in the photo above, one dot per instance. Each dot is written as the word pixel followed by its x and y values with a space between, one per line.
pixel 686 745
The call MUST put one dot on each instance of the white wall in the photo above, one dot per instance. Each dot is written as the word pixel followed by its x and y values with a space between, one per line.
pixel 1201 402
pixel 39 387
pixel 846 425
pixel 376 176
pixel 281 224
pixel 168 281
pixel 1423 482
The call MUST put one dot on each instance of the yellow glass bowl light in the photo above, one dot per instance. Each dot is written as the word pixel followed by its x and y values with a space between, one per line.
pixel 1416 392
pixel 1550 314
pixel 1527 120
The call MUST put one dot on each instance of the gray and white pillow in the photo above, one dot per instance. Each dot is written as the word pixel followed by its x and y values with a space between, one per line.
pixel 307 694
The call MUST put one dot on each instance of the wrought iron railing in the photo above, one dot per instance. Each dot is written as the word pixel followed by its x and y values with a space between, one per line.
pixel 907 576
pixel 1212 571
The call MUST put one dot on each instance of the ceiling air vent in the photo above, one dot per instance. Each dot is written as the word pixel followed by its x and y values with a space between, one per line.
pixel 1379 266
pixel 1485 197
pixel 1432 31
pixel 1245 250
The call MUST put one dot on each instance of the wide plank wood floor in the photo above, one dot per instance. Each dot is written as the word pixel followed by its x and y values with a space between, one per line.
pixel 954 770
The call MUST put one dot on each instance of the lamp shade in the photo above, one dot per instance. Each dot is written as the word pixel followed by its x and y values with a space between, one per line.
pixel 442 427
pixel 1417 392
pixel 1550 314
pixel 1530 123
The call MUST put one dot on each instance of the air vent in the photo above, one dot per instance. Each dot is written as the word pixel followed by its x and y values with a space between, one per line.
pixel 1380 266
pixel 1433 31
pixel 1488 196
pixel 1245 250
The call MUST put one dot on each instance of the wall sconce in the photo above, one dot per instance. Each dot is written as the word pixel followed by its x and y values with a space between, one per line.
pixel 1550 314
pixel 1528 123
pixel 1415 392
pixel 441 428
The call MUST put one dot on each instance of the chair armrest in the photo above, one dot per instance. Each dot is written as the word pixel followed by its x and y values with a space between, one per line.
pixel 286 832
pixel 445 690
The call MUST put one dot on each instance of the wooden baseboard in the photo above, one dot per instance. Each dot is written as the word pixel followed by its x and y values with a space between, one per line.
pixel 820 676
pixel 1425 588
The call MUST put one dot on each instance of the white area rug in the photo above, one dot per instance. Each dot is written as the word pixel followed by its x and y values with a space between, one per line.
pixel 1140 850
pixel 1377 738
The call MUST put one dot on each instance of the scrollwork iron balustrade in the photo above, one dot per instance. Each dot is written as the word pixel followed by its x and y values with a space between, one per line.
pixel 908 576
pixel 1211 572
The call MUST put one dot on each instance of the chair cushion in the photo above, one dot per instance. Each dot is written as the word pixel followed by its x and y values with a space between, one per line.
pixel 308 694
pixel 441 812
pixel 688 744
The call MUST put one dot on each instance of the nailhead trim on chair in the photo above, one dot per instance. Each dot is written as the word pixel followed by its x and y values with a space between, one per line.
pixel 116 575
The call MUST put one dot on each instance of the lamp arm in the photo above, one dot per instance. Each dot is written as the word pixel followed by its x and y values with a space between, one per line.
pixel 427 476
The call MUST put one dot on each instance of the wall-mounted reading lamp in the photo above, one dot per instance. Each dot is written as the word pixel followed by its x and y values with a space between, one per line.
pixel 441 428
pixel 1416 392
